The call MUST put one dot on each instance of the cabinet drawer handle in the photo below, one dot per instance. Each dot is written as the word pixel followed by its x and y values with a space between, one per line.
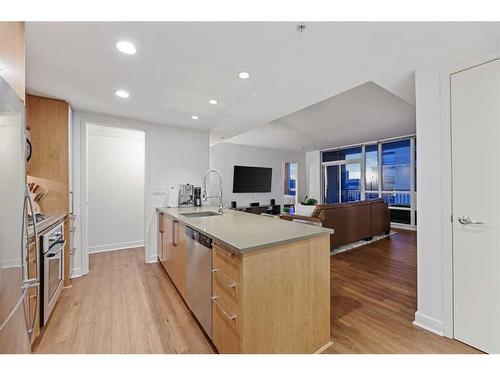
pixel 174 236
pixel 232 283
pixel 225 253
pixel 229 316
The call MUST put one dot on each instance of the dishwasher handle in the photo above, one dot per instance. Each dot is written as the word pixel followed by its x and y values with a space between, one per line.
pixel 189 232
pixel 203 240
pixel 198 237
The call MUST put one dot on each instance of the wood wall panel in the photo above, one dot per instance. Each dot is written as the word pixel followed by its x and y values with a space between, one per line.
pixel 12 56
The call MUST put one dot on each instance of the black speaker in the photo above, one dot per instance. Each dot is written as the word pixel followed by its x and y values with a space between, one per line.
pixel 233 204
pixel 273 202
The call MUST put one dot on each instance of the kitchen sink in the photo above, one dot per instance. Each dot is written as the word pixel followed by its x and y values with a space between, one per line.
pixel 201 214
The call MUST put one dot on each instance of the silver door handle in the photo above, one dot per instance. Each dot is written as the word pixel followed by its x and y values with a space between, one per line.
pixel 465 220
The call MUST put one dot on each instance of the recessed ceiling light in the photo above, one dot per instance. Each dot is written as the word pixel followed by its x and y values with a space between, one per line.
pixel 244 75
pixel 194 117
pixel 213 101
pixel 122 94
pixel 126 47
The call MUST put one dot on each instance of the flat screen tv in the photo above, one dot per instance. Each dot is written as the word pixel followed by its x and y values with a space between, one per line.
pixel 252 179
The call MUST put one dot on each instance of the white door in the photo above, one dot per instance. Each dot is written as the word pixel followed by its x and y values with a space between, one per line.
pixel 475 127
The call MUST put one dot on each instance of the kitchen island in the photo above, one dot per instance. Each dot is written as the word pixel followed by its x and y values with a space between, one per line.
pixel 270 278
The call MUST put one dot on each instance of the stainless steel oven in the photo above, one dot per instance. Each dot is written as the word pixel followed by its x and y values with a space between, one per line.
pixel 52 269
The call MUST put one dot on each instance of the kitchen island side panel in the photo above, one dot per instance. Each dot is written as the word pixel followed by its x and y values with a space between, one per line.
pixel 286 298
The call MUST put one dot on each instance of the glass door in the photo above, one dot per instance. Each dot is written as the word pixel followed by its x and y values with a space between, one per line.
pixel 332 184
pixel 342 182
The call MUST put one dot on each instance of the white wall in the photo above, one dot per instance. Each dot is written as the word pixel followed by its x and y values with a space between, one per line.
pixel 115 188
pixel 174 155
pixel 313 175
pixel 434 252
pixel 224 156
pixel 429 259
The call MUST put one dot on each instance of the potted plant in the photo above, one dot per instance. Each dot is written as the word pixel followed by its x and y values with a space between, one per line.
pixel 306 207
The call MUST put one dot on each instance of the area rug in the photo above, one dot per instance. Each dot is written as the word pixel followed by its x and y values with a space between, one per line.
pixel 354 245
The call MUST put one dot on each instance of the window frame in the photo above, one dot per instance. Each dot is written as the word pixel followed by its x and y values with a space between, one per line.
pixel 363 191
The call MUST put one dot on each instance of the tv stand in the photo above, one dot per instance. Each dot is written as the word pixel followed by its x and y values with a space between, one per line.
pixel 267 209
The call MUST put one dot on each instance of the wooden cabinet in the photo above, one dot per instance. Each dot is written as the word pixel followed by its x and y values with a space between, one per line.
pixel 33 293
pixel 12 56
pixel 49 122
pixel 179 253
pixel 226 299
pixel 159 243
pixel 274 300
pixel 172 250
pixel 225 328
pixel 166 259
pixel 163 238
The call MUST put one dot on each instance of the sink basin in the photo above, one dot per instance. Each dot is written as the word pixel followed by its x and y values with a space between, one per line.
pixel 201 214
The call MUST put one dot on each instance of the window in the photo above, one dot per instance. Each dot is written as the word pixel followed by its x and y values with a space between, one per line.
pixel 346 154
pixel 351 182
pixel 397 199
pixel 385 169
pixel 371 167
pixel 291 179
pixel 342 175
pixel 371 196
pixel 396 166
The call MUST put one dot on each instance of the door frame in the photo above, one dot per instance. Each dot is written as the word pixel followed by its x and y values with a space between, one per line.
pixel 447 186
pixel 283 169
pixel 340 163
pixel 84 184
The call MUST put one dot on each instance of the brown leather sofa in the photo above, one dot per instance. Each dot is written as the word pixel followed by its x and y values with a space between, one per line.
pixel 351 221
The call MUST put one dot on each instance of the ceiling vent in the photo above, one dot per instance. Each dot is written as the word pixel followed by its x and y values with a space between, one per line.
pixel 301 27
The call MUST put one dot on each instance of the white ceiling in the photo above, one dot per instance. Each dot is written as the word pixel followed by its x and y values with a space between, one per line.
pixel 365 113
pixel 179 66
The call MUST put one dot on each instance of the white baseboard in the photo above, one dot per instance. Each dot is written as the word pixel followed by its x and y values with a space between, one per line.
pixel 114 246
pixel 152 259
pixel 76 272
pixel 10 263
pixel 428 323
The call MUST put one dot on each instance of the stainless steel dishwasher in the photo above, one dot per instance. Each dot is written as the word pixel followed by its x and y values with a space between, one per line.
pixel 199 277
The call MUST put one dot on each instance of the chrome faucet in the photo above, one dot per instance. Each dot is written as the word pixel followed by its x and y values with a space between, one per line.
pixel 205 197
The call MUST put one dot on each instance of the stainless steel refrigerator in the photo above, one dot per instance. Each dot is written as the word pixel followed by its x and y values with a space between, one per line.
pixel 16 322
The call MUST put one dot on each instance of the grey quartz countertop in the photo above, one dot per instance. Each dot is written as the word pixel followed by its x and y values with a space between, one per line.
pixel 245 231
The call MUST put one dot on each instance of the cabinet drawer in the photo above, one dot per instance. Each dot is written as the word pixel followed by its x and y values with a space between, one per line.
pixel 227 289
pixel 225 332
pixel 227 262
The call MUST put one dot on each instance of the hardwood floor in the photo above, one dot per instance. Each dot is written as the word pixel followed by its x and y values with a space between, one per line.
pixel 127 306
pixel 374 299
pixel 122 306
